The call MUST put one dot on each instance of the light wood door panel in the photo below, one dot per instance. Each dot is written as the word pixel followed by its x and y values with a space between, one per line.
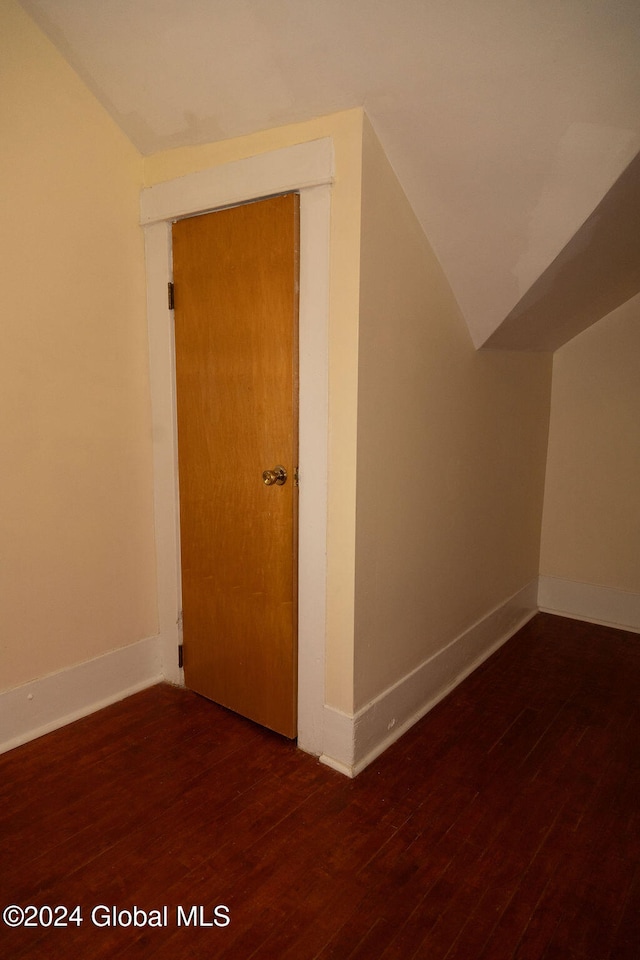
pixel 235 282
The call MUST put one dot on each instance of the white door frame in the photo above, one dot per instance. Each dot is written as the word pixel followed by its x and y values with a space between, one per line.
pixel 308 169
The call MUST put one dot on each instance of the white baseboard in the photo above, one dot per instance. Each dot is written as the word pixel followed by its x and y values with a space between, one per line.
pixel 352 742
pixel 349 743
pixel 590 602
pixel 36 708
pixel 337 740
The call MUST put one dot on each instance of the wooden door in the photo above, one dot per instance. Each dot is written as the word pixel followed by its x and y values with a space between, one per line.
pixel 235 283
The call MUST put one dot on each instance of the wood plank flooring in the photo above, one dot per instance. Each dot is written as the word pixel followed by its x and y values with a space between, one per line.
pixel 504 826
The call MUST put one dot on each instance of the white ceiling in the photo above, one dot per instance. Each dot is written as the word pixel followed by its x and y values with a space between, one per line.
pixel 507 121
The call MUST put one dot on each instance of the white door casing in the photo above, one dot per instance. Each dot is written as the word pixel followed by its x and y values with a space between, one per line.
pixel 308 169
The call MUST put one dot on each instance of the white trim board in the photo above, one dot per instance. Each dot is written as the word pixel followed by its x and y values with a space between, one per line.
pixel 353 742
pixel 43 705
pixel 298 167
pixel 590 602
pixel 307 168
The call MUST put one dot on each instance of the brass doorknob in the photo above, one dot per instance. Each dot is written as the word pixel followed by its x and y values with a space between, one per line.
pixel 278 476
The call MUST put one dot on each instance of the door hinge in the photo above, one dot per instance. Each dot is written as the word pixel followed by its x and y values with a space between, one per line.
pixel 170 298
pixel 180 656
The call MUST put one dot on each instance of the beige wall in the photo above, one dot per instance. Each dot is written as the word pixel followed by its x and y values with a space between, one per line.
pixel 436 451
pixel 451 451
pixel 345 130
pixel 78 575
pixel 591 521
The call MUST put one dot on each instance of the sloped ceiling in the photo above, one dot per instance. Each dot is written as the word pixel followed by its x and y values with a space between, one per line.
pixel 507 121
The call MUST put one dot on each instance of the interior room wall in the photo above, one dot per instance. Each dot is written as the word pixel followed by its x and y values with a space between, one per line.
pixel 590 551
pixel 451 453
pixel 76 486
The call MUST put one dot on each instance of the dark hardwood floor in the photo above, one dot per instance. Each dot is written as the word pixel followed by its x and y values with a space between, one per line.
pixel 504 825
